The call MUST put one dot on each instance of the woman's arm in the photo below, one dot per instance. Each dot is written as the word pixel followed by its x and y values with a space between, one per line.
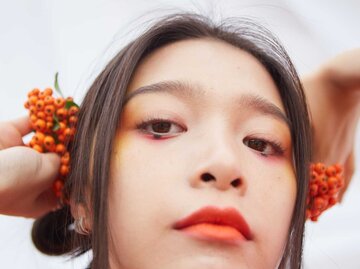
pixel 26 175
pixel 333 94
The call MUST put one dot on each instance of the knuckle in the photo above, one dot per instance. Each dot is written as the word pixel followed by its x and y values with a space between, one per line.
pixel 38 165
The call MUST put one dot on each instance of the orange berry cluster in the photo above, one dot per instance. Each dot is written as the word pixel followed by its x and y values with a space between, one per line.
pixel 53 121
pixel 324 187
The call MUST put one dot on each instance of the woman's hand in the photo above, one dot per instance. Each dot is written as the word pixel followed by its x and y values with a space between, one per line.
pixel 333 94
pixel 26 175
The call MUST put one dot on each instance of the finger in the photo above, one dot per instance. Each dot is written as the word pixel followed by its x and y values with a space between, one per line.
pixel 24 169
pixel 22 125
pixel 45 202
pixel 12 132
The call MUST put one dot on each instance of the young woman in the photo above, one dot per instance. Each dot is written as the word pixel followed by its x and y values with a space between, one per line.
pixel 191 122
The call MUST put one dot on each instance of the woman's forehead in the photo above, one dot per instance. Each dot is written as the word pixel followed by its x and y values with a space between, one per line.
pixel 209 67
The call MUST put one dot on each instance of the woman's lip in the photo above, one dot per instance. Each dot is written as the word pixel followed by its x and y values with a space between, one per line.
pixel 214 232
pixel 214 223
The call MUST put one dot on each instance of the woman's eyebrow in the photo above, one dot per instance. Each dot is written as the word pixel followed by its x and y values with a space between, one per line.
pixel 192 93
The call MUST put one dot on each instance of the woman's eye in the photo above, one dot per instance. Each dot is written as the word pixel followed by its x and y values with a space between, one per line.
pixel 265 147
pixel 159 127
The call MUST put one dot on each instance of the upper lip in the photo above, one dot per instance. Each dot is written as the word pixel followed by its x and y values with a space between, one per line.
pixel 210 214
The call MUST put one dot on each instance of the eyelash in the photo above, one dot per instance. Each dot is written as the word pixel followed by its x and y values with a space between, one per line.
pixel 151 120
pixel 141 125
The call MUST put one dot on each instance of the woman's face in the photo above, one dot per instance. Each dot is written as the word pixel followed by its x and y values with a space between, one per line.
pixel 211 144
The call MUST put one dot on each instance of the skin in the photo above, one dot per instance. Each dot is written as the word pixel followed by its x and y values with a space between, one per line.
pixel 154 183
pixel 333 92
pixel 20 196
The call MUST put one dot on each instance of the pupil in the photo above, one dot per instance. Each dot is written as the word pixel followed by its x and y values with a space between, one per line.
pixel 260 145
pixel 160 127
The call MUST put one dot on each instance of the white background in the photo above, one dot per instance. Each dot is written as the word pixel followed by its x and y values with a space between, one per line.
pixel 76 38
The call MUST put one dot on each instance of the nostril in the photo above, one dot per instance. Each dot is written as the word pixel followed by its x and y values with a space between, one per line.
pixel 236 182
pixel 207 177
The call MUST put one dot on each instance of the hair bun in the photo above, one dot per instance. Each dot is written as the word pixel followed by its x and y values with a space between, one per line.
pixel 51 234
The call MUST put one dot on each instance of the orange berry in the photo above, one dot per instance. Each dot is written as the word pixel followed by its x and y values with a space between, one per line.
pixel 58 185
pixel 61 113
pixel 64 170
pixel 48 91
pixel 49 110
pixel 48 100
pixel 323 188
pixel 40 125
pixel 60 148
pixel 315 212
pixel 314 189
pixel 33 100
pixel 319 168
pixel 32 142
pixel 333 191
pixel 332 182
pixel 314 218
pixel 73 110
pixel 41 95
pixel 49 142
pixel 27 104
pixel 73 131
pixel 69 99
pixel 65 159
pixel 319 203
pixel 38 148
pixel 332 201
pixel 338 168
pixel 62 127
pixel 330 171
pixel 73 120
pixel 49 125
pixel 41 115
pixel 39 138
pixel 32 109
pixel 61 138
pixel 59 102
pixel 49 119
pixel 34 91
pixel 68 132
pixel 40 104
pixel 33 118
pixel 313 176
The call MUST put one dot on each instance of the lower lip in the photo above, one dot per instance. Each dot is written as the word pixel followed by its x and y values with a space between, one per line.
pixel 213 232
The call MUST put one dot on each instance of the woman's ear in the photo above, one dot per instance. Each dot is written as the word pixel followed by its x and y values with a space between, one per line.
pixel 80 210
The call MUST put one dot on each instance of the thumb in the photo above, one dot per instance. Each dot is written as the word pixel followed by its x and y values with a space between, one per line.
pixel 50 165
pixel 22 167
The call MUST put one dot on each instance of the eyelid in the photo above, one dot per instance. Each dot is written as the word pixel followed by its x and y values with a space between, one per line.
pixel 154 119
pixel 275 144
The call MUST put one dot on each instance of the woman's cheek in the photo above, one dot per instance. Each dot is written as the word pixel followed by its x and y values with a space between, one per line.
pixel 276 199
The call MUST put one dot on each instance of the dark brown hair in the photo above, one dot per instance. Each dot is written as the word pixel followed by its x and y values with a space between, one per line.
pixel 100 114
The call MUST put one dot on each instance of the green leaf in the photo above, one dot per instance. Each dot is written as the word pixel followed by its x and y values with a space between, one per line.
pixel 69 104
pixel 56 127
pixel 57 123
pixel 56 139
pixel 56 85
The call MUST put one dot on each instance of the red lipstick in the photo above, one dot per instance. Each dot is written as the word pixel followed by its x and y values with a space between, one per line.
pixel 214 224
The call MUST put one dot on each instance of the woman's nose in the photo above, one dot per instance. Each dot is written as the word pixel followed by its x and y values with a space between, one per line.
pixel 220 168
